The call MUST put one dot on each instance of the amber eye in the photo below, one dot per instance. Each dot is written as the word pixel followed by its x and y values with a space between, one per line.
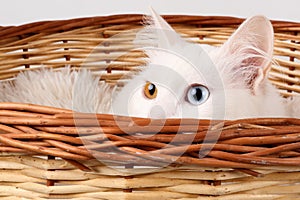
pixel 150 90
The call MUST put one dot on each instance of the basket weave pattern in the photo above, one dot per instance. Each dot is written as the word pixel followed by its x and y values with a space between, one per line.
pixel 43 157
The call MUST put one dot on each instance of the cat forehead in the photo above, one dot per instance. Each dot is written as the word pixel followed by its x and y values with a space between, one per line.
pixel 190 63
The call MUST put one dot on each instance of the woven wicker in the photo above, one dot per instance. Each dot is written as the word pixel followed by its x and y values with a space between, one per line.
pixel 43 157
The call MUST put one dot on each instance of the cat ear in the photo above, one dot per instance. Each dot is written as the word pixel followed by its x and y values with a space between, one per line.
pixel 158 34
pixel 159 23
pixel 251 50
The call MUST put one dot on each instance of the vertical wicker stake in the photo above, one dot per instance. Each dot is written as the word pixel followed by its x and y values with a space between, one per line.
pixel 128 166
pixel 50 182
pixel 210 182
pixel 201 37
pixel 67 56
pixel 25 50
pixel 217 183
pixel 26 56
pixel 106 44
pixel 292 68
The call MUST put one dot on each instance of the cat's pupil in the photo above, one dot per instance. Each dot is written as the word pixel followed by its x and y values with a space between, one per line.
pixel 151 89
pixel 197 94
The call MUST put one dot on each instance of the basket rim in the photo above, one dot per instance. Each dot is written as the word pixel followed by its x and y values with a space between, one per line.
pixel 69 24
pixel 240 144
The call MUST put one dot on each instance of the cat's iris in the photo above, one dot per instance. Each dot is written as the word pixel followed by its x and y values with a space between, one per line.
pixel 197 94
pixel 150 90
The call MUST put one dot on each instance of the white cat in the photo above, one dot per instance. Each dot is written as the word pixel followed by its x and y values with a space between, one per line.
pixel 181 79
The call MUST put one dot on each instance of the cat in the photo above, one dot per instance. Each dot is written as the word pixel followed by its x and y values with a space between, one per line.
pixel 188 81
pixel 181 79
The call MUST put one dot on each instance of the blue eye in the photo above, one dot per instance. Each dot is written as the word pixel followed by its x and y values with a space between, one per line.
pixel 197 94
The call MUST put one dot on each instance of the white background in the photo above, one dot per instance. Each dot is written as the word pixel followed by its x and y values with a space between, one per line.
pixel 15 12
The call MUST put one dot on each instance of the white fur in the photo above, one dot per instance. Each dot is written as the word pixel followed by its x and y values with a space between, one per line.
pixel 293 106
pixel 66 88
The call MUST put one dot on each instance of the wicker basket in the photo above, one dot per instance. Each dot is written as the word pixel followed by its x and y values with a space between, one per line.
pixel 43 157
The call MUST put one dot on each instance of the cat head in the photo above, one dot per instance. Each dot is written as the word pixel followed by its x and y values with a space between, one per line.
pixel 183 79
